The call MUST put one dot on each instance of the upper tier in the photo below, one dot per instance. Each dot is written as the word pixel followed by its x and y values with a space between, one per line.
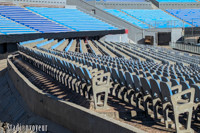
pixel 72 18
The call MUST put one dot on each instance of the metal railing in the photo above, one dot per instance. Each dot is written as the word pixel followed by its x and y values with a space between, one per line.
pixel 186 47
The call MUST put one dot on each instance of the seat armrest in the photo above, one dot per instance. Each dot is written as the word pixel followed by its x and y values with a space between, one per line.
pixel 177 87
pixel 179 95
pixel 95 72
pixel 99 79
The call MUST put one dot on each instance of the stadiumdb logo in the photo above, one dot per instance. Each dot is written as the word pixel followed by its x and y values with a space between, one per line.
pixel 23 128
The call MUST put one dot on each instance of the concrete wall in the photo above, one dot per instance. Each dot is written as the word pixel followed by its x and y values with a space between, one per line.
pixel 116 38
pixel 176 34
pixel 73 117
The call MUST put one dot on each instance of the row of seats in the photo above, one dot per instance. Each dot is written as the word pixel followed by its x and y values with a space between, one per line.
pixel 162 53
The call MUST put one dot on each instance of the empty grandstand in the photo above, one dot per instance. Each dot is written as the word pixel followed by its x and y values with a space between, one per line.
pixel 96 65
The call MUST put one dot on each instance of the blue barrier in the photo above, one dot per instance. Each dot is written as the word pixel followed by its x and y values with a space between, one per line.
pixel 31 41
pixel 56 45
pixel 70 44
pixel 45 43
pixel 81 46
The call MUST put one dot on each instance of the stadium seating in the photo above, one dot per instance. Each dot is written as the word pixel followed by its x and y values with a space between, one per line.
pixel 163 86
pixel 189 15
pixel 10 27
pixel 156 18
pixel 31 20
pixel 125 17
pixel 72 18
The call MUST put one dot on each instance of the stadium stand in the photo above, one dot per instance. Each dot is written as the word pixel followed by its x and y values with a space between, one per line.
pixel 100 75
pixel 189 15
pixel 72 18
pixel 10 27
pixel 156 18
pixel 31 20
pixel 166 85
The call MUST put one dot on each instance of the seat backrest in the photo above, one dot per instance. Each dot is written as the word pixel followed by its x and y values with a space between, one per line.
pixel 185 85
pixel 158 72
pixel 165 79
pixel 66 67
pixel 146 87
pixel 166 92
pixel 174 82
pixel 166 74
pixel 130 69
pixel 191 81
pixel 155 87
pixel 137 83
pixel 143 73
pixel 157 77
pixel 122 78
pixel 129 80
pixel 72 68
pixel 173 76
pixel 87 75
pixel 136 71
pixel 115 75
pixel 149 74
pixel 197 93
